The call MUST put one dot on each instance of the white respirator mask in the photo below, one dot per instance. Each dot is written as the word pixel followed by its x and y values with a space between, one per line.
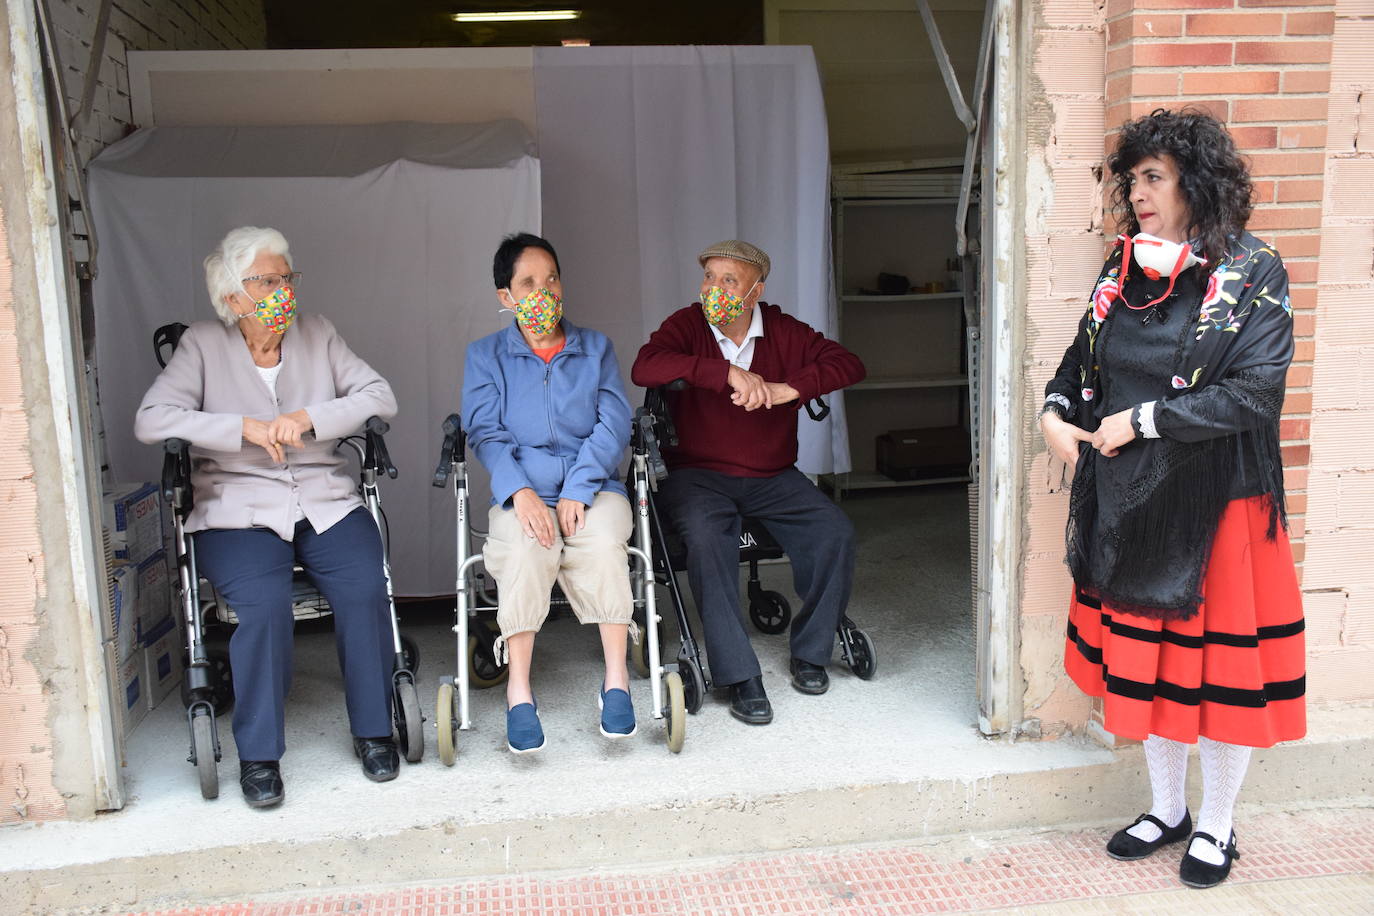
pixel 1157 258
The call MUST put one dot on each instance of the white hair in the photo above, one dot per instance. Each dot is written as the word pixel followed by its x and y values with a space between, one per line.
pixel 235 253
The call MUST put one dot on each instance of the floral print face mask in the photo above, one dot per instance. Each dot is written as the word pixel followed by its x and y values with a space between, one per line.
pixel 720 306
pixel 540 311
pixel 277 311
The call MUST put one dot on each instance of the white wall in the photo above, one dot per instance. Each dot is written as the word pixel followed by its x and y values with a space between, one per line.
pixel 141 25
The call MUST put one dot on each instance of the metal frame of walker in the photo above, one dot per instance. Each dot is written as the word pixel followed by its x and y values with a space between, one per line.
pixel 665 681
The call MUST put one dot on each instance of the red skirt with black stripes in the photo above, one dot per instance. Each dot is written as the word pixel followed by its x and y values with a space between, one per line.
pixel 1234 672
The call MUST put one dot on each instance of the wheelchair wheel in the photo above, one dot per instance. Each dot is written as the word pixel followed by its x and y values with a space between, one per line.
pixel 770 612
pixel 693 685
pixel 221 682
pixel 203 754
pixel 411 653
pixel 483 670
pixel 446 718
pixel 410 729
pixel 676 711
pixel 863 661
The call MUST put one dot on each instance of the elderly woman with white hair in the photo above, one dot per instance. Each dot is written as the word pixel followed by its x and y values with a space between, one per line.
pixel 248 391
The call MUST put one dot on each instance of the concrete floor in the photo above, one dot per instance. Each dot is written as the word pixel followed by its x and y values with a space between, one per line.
pixel 914 722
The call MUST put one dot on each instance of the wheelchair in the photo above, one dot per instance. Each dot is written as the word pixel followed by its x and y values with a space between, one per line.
pixel 769 610
pixel 207 687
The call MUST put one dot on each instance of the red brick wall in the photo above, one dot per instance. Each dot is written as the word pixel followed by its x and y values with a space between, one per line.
pixel 1263 67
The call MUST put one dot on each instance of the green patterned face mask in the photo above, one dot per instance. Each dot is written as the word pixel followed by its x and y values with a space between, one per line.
pixel 720 306
pixel 277 310
pixel 540 311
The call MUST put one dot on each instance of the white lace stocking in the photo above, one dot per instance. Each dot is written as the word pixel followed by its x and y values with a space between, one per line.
pixel 1167 762
pixel 1223 770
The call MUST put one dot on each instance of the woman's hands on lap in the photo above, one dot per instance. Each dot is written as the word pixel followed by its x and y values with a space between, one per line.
pixel 572 516
pixel 258 433
pixel 534 516
pixel 288 428
pixel 274 436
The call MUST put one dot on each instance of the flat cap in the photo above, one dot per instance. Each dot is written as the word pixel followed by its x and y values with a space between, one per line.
pixel 740 251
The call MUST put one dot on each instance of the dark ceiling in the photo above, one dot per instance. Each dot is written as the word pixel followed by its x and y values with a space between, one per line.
pixel 427 23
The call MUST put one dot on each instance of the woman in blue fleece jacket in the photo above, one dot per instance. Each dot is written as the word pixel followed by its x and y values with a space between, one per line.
pixel 545 411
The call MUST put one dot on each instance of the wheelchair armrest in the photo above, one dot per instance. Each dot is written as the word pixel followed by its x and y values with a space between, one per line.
pixel 377 456
pixel 455 443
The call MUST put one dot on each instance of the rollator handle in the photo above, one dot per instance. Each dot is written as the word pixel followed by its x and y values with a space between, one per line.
pixel 176 472
pixel 377 456
pixel 455 443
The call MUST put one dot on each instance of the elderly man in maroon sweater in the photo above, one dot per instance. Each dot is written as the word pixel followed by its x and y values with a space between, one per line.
pixel 749 367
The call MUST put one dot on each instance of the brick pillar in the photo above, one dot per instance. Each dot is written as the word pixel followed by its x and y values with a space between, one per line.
pixel 1263 67
pixel 1338 581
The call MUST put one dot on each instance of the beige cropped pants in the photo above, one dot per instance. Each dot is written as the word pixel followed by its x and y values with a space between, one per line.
pixel 592 567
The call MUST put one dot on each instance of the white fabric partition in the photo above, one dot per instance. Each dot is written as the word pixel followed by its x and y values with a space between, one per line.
pixel 393 227
pixel 650 154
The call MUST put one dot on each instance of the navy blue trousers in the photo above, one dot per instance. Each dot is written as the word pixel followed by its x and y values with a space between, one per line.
pixel 251 569
pixel 706 508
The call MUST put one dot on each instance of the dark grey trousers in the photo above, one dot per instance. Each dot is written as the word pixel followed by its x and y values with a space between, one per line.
pixel 705 507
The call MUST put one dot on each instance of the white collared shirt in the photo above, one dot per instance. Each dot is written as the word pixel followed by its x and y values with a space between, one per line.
pixel 741 355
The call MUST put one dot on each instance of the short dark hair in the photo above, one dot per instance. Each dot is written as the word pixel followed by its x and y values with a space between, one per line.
pixel 1213 176
pixel 509 251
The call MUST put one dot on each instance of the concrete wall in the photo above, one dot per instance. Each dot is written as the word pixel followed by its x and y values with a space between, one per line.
pixel 1064 101
pixel 141 25
pixel 1338 578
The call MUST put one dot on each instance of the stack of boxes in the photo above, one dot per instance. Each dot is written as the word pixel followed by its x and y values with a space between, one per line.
pixel 144 638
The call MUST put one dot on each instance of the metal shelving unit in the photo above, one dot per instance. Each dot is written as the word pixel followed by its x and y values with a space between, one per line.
pixel 903 186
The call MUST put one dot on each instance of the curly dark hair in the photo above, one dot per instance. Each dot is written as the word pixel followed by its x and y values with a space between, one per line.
pixel 1215 180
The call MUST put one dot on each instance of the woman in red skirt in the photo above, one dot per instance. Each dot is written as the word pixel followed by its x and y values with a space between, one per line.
pixel 1186 617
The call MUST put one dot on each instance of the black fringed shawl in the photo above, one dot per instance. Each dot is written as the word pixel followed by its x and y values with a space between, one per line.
pixel 1143 547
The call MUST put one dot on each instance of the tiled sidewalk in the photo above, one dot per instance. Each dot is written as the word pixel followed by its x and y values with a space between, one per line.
pixel 946 876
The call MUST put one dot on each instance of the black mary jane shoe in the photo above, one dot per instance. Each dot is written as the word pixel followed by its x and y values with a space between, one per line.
pixel 261 783
pixel 1128 848
pixel 1194 872
pixel 809 678
pixel 749 702
pixel 381 761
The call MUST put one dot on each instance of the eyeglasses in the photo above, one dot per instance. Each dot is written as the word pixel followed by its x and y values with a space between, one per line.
pixel 270 283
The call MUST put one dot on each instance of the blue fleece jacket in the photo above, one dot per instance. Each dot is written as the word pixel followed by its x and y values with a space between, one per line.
pixel 560 428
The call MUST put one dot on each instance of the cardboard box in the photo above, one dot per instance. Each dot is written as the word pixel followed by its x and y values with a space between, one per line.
pixel 913 454
pixel 123 621
pixel 162 663
pixel 131 695
pixel 132 515
pixel 154 594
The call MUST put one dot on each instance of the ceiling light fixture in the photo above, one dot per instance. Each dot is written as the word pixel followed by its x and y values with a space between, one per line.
pixel 518 16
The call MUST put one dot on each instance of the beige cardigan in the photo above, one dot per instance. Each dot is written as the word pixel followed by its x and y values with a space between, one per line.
pixel 211 384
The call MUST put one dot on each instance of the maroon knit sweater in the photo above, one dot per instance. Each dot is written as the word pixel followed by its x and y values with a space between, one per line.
pixel 712 432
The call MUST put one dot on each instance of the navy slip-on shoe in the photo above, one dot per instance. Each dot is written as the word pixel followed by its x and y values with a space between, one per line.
pixel 524 734
pixel 617 713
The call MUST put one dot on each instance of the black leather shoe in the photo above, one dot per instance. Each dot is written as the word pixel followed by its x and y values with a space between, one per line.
pixel 749 703
pixel 261 783
pixel 1194 872
pixel 380 759
pixel 809 678
pixel 1128 848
